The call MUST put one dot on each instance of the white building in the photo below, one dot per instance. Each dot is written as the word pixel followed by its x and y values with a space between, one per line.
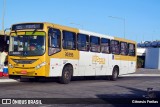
pixel 152 58
pixel 141 51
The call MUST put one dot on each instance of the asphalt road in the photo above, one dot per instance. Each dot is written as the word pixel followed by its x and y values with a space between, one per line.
pixel 125 87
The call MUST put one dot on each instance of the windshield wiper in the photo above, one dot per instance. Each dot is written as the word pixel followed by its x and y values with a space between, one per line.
pixel 34 31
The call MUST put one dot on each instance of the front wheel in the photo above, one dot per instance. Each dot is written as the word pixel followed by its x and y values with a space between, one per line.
pixel 66 75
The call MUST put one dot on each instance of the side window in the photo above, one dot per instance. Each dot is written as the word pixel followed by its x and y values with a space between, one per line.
pixel 54 40
pixel 115 47
pixel 124 48
pixel 131 50
pixel 69 40
pixel 105 45
pixel 83 42
pixel 94 44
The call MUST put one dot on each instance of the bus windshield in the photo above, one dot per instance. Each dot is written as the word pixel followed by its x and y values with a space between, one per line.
pixel 27 45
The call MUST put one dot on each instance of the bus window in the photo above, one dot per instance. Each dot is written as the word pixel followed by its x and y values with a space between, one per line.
pixel 115 47
pixel 124 48
pixel 94 44
pixel 54 41
pixel 82 42
pixel 17 44
pixel 131 50
pixel 30 45
pixel 105 45
pixel 69 40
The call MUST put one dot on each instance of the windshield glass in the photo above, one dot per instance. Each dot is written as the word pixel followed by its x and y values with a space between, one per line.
pixel 27 45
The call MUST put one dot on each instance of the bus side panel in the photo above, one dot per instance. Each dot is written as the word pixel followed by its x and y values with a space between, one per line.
pixel 56 66
pixel 123 68
pixel 113 61
pixel 101 64
pixel 86 66
pixel 132 64
pixel 110 65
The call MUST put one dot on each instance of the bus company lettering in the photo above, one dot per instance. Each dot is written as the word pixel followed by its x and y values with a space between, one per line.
pixel 97 59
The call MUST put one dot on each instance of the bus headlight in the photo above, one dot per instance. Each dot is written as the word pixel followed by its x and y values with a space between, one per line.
pixel 40 65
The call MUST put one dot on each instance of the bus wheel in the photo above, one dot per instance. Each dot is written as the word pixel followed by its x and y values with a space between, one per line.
pixel 66 74
pixel 114 76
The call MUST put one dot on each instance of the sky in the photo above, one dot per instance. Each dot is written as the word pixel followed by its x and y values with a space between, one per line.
pixel 141 17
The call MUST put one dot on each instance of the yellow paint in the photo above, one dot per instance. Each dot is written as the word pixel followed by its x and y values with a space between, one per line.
pixel 35 33
pixel 97 59
pixel 125 58
pixel 18 33
pixel 28 33
pixel 43 71
pixel 63 54
pixel 124 40
pixel 117 57
pixel 30 68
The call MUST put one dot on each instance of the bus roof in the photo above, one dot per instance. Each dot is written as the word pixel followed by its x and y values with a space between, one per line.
pixel 80 31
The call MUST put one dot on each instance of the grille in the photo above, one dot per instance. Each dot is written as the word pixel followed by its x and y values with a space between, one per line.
pixel 22 61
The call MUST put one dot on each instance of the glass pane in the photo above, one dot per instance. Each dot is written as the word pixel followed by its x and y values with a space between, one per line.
pixel 94 40
pixel 104 45
pixel 27 45
pixel 54 36
pixel 69 40
pixel 115 47
pixel 131 49
pixel 82 42
pixel 95 44
pixel 54 41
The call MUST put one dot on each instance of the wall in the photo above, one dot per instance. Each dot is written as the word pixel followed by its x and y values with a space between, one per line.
pixel 152 59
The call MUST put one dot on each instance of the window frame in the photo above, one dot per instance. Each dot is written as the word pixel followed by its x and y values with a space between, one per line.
pixel 126 49
pixel 60 46
pixel 134 49
pixel 75 40
pixel 91 36
pixel 87 42
pixel 108 45
pixel 114 46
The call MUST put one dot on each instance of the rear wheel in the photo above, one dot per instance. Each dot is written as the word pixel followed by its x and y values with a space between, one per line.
pixel 114 76
pixel 66 74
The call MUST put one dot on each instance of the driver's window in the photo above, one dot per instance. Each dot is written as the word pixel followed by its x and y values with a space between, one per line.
pixel 54 40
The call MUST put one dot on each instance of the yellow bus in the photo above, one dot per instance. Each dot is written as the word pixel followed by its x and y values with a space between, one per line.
pixel 52 50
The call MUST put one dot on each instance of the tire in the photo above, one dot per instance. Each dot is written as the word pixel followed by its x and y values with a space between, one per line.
pixel 66 74
pixel 114 76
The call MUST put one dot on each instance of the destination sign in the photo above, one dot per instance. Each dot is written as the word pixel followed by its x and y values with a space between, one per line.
pixel 27 26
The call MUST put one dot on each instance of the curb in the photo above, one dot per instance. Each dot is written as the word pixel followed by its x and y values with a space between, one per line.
pixel 7 80
pixel 140 75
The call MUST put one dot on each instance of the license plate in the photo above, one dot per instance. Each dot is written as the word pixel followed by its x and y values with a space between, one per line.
pixel 23 72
